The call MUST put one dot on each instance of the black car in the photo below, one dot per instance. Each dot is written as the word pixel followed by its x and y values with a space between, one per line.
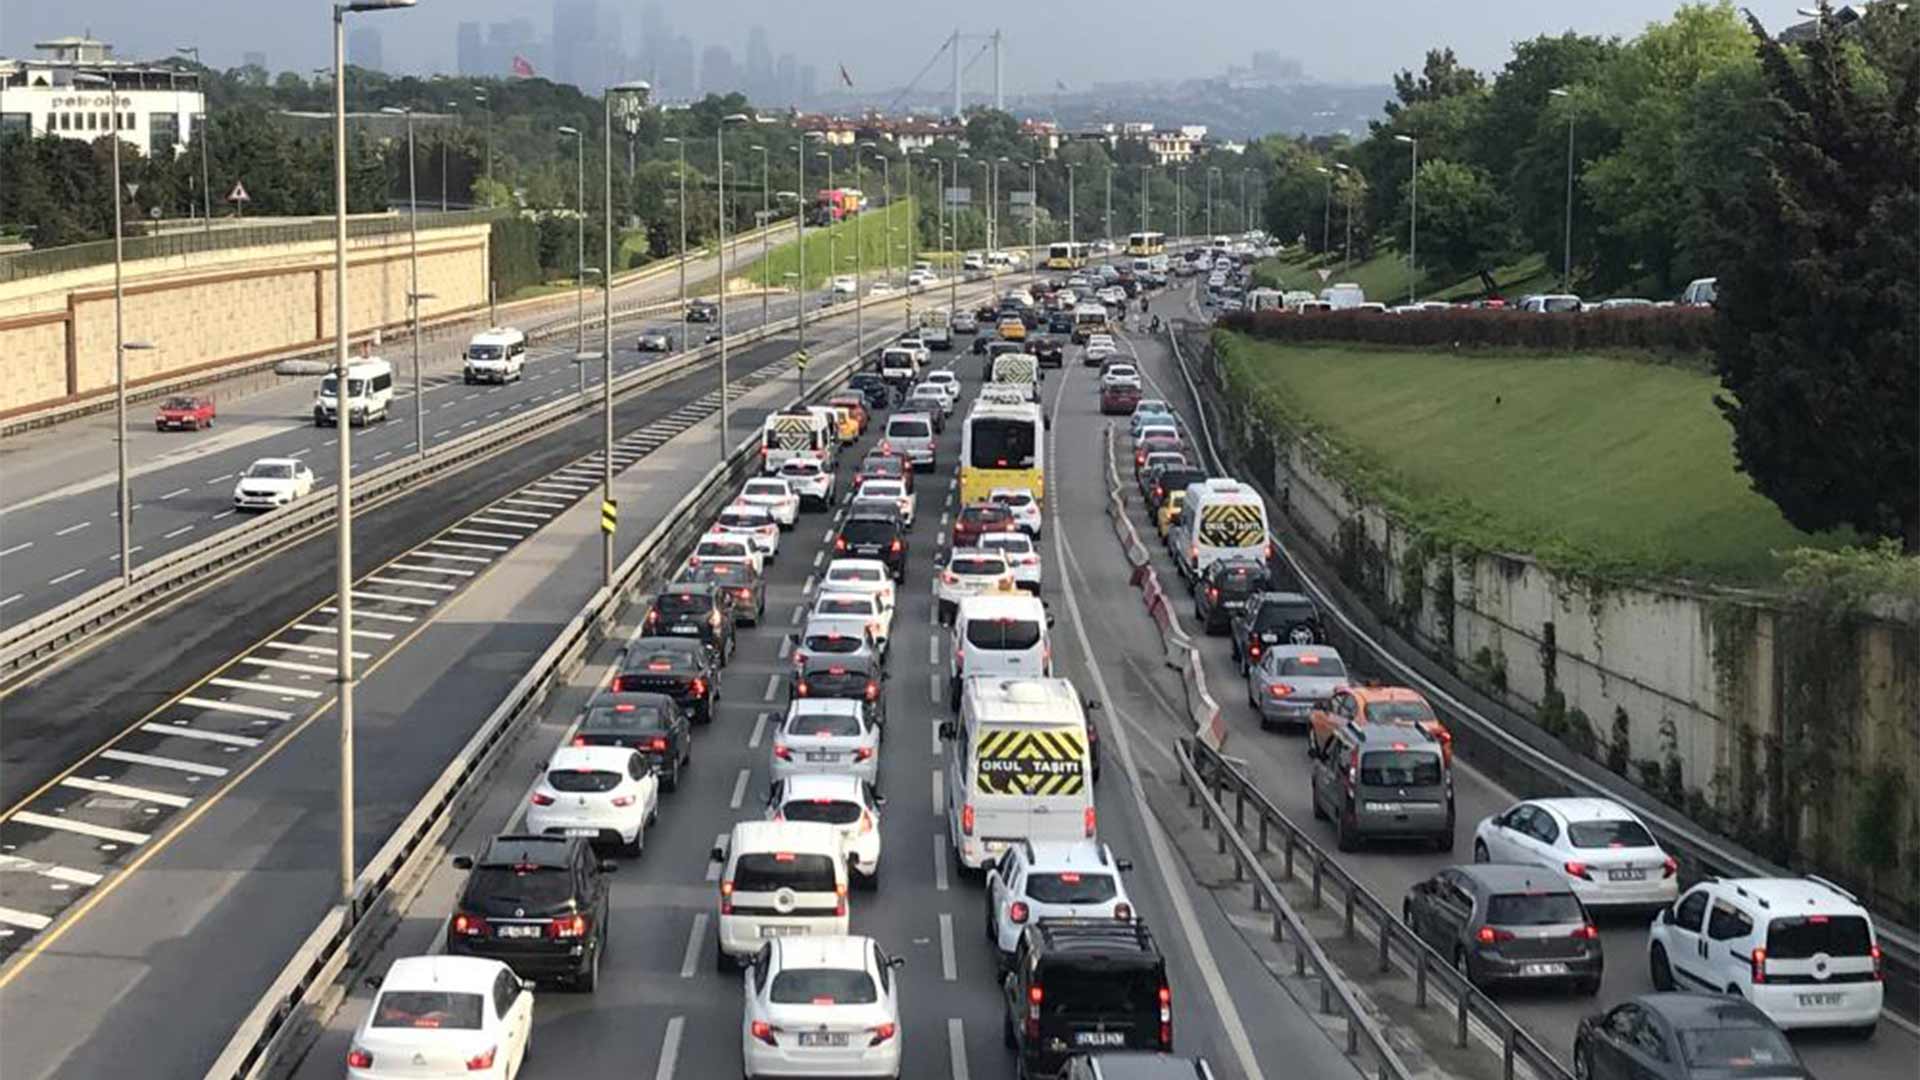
pixel 1172 478
pixel 684 669
pixel 1060 322
pixel 1082 984
pixel 650 723
pixel 873 388
pixel 1506 925
pixel 536 903
pixel 1136 1065
pixel 1224 589
pixel 1274 618
pixel 845 677
pixel 702 311
pixel 1684 1037
pixel 1049 352
pixel 695 610
pixel 745 589
pixel 867 534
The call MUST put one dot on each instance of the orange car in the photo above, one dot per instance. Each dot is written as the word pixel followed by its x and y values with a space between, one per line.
pixel 1378 705
pixel 855 404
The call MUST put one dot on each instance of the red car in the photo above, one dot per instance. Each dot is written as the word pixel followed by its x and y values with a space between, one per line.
pixel 1119 400
pixel 184 414
pixel 978 519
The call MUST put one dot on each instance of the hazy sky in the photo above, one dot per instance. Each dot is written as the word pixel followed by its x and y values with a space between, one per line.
pixel 886 44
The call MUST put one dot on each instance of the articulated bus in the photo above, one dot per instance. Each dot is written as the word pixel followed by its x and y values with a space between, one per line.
pixel 1146 243
pixel 1002 446
pixel 1067 256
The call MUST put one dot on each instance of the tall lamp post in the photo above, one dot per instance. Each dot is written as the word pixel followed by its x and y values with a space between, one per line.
pixel 606 317
pixel 1146 219
pixel 1566 247
pixel 343 417
pixel 681 172
pixel 1180 201
pixel 1326 211
pixel 720 178
pixel 833 266
pixel 1413 219
pixel 446 145
pixel 1346 260
pixel 414 295
pixel 1213 171
pixel 766 230
pixel 206 189
pixel 1107 234
pixel 579 252
pixel 1033 221
pixel 1071 242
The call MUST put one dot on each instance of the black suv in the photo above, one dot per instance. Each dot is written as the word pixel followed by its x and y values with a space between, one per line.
pixel 536 903
pixel 1049 352
pixel 1172 478
pixel 872 387
pixel 855 677
pixel 702 310
pixel 1085 984
pixel 874 534
pixel 1274 618
pixel 744 588
pixel 1136 1065
pixel 650 723
pixel 695 610
pixel 1224 588
pixel 684 669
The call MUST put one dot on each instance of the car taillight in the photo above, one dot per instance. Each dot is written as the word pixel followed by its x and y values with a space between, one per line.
pixel 657 744
pixel 839 900
pixel 1018 912
pixel 1123 911
pixel 866 822
pixel 1166 1018
pixel 623 800
pixel 541 798
pixel 653 616
pixel 359 1059
pixel 579 740
pixel 873 690
pixel 1575 868
pixel 699 688
pixel 1670 867
pixel 882 1034
pixel 1279 690
pixel 839 543
pixel 1487 935
pixel 1878 974
pixel 570 926
pixel 1588 932
pixel 1087 821
pixel 1193 551
pixel 764 1032
pixel 1759 959
pixel 966 820
pixel 862 753
pixel 1213 595
pixel 1253 649
pixel 802 689
pixel 949 577
pixel 1035 995
pixel 726 898
pixel 467 925
pixel 784 753
pixel 744 594
pixel 619 684
pixel 482 1061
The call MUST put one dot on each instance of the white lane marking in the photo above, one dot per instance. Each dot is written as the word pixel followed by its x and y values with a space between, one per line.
pixel 159 762
pixel 464 531
pixel 61 824
pixel 740 789
pixel 818 557
pixel 714 866
pixel 544 504
pixel 82 878
pixel 331 442
pixel 436 586
pixel 185 732
pixel 564 485
pixel 501 523
pixel 286 665
pixel 105 787
pixel 933 650
pixel 11 599
pixel 786 646
pixel 4 552
pixel 313 650
pixel 511 512
pixel 171 494
pixel 318 629
pixel 939 793
pixel 182 530
pixel 68 576
pixel 236 708
pixel 302 452
pixel 773 684
pixel 224 514
pixel 798 610
pixel 933 731
pixel 940 861
pixel 957 1048
pixel 389 598
pixel 383 454
pixel 807 586
pixel 363 613
pixel 670 1049
pixel 933 686
pixel 264 688
pixel 221 479
pixel 24 919
pixel 943 522
pixel 422 553
pixel 73 529
pixel 827 537
pixel 759 731
pixel 454 571
pixel 691 959
pixel 949 969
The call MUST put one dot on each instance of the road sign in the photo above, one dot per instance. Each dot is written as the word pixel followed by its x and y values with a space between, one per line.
pixel 1324 274
pixel 609 515
pixel 239 193
pixel 800 359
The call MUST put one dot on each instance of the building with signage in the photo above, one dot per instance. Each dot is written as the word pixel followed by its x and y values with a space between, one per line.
pixel 73 89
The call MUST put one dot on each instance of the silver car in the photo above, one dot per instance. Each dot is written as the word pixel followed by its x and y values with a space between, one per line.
pixel 843 637
pixel 1287 681
pixel 826 735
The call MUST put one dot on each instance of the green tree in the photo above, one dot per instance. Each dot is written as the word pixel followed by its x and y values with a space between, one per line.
pixel 1465 226
pixel 1819 307
pixel 1442 76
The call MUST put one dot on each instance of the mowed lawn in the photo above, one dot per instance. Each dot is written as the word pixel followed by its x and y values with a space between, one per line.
pixel 1602 463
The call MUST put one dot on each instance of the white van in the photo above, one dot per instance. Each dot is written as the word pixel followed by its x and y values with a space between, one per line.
pixel 1019 767
pixel 779 879
pixel 1003 636
pixel 498 355
pixel 369 394
pixel 791 432
pixel 1221 519
pixel 911 435
pixel 1342 295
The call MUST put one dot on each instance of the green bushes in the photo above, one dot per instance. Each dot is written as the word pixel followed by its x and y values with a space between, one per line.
pixel 1668 329
pixel 513 255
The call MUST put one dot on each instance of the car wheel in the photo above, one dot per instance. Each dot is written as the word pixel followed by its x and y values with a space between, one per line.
pixel 1588 987
pixel 723 963
pixel 1864 1031
pixel 1006 1036
pixel 953 695
pixel 1344 834
pixel 1443 842
pixel 1583 1063
pixel 1659 969
pixel 672 782
pixel 1480 851
pixel 589 979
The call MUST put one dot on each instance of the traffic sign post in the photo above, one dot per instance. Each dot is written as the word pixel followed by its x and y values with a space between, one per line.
pixel 609 515
pixel 800 368
pixel 239 198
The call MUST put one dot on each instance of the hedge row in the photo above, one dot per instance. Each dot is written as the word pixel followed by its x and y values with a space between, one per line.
pixel 1682 329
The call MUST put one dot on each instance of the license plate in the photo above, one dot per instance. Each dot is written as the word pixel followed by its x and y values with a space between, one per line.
pixel 1385 807
pixel 1626 875
pixel 684 628
pixel 520 931
pixel 1816 1000
pixel 822 756
pixel 1543 969
pixel 583 832
pixel 1099 1038
pixel 781 930
pixel 1270 639
pixel 823 1038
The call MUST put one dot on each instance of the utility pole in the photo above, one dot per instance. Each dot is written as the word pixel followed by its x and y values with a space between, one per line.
pixel 1109 215
pixel 999 95
pixel 1413 220
pixel 414 295
pixel 579 255
pixel 1180 201
pixel 204 131
pixel 1146 218
pixel 766 232
pixel 954 43
pixel 1566 247
pixel 606 326
pixel 720 178
pixel 681 173
pixel 1070 227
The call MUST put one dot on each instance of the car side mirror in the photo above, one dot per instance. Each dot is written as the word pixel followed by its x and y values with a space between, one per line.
pixel 608 866
pixel 718 854
pixel 897 961
pixel 947 730
pixel 1050 618
pixel 463 862
pixel 526 985
pixel 371 982
pixel 1091 705
pixel 1666 916
pixel 1123 865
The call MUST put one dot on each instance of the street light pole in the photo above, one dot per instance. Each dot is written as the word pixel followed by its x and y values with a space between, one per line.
pixel 1071 242
pixel 766 231
pixel 720 157
pixel 1212 171
pixel 1146 217
pixel 579 254
pixel 1326 211
pixel 1180 201
pixel 120 343
pixel 1566 249
pixel 445 145
pixel 414 295
pixel 480 98
pixel 1108 236
pixel 206 190
pixel 1346 197
pixel 682 172
pixel 1033 221
pixel 606 321
pixel 1413 220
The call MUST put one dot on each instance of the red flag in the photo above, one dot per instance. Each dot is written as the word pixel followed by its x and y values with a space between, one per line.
pixel 844 77
pixel 522 69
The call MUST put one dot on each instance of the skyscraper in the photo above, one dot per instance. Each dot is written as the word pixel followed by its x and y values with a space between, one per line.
pixel 786 81
pixel 656 40
pixel 757 80
pixel 576 28
pixel 676 69
pixel 809 83
pixel 718 73
pixel 364 50
pixel 469 52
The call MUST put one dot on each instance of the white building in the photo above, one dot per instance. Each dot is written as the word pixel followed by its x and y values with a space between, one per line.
pixel 158 105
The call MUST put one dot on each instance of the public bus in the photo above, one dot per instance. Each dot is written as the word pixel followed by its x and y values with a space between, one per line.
pixel 1146 243
pixel 1002 446
pixel 1067 256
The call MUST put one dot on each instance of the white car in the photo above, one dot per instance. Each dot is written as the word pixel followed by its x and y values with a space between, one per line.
pixel 881 487
pixel 1080 282
pixel 754 523
pixel 821 1006
pixel 809 477
pixel 860 576
pixel 608 794
pixel 728 547
pixel 1048 879
pixel 1023 558
pixel 1102 338
pixel 272 482
pixel 973 262
pixel 1151 412
pixel 880 288
pixel 1112 296
pixel 970 572
pixel 1605 852
pixel 845 604
pixel 444 1016
pixel 1099 353
pixel 825 735
pixel 931 400
pixel 845 285
pixel 946 380
pixel 1120 375
pixel 775 495
pixel 847 802
pixel 922 354
pixel 921 278
pixel 1021 503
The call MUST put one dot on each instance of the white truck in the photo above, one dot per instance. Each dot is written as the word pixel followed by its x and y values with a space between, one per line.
pixel 935 330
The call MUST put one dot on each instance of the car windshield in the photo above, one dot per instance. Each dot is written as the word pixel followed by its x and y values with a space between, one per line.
pixel 881 466
pixel 883 489
pixel 823 986
pixel 1002 443
pixel 721 549
pixel 625 718
pixel 1326 667
pixel 583 781
pixel 1800 937
pixel 1534 909
pixel 1098 989
pixel 427 1009
pixel 903 427
pixel 1069 887
pixel 724 573
pixel 675 603
pixel 867 531
pixel 1399 712
pixel 1011 544
pixel 985 515
pixel 266 470
pixel 825 811
pixel 529 885
pixel 483 352
pixel 740 519
pixel 1608 834
pixel 765 872
pixel 977 565
pixel 1237 579
pixel 824 725
pixel 843 605
pixel 1399 768
pixel 1734 1047
pixel 1014 634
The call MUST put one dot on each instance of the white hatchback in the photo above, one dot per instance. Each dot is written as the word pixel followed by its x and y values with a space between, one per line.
pixel 809 477
pixel 1120 375
pixel 754 523
pixel 1023 557
pixel 608 794
pixel 444 1016
pixel 970 572
pixel 881 487
pixel 847 802
pixel 776 496
pixel 821 1006
pixel 728 547
pixel 825 735
pixel 1024 507
pixel 1048 879
pixel 839 604
pixel 860 576
pixel 272 482
pixel 1606 853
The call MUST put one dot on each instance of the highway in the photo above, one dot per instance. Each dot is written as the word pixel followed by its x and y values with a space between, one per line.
pixel 663 1011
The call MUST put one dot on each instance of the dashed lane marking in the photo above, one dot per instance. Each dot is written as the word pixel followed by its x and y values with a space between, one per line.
pixel 670 1049
pixel 312 650
pixel 940 862
pixel 234 707
pixel 739 789
pixel 691 958
pixel 316 628
pixel 365 614
pixel 773 685
pixel 182 731
pixel 83 828
pixel 449 570
pixel 759 731
pixel 71 529
pixel 437 586
pixel 17 865
pixel 957 1048
pixel 462 530
pixel 714 866
pixel 125 791
pixel 949 968
pixel 263 688
pixel 25 919
pixel 68 576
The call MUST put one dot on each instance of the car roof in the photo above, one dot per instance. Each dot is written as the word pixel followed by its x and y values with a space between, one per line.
pixel 827 951
pixel 1147 1065
pixel 875 565
pixel 612 758
pixel 1587 809
pixel 1795 896
pixel 1061 939
pixel 828 706
pixel 510 848
pixel 275 461
pixel 657 645
pixel 1003 534
pixel 1049 855
pixel 1386 693
pixel 1513 877
pixel 1324 652
pixel 688 588
pixel 856 663
pixel 471 974
pixel 756 835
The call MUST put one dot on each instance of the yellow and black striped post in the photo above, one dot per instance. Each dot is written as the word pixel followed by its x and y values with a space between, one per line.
pixel 609 515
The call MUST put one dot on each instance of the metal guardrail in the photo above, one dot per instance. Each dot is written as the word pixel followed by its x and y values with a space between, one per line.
pixel 1206 775
pixel 1701 854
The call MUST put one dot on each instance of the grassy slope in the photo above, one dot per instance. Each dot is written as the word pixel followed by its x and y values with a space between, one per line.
pixel 1598 463
pixel 871 237
pixel 1384 277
